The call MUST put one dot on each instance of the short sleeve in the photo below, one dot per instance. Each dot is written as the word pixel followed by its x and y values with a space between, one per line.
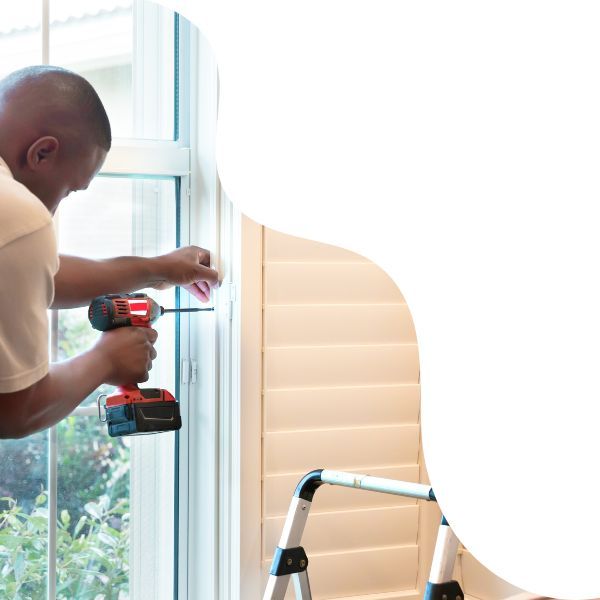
pixel 27 268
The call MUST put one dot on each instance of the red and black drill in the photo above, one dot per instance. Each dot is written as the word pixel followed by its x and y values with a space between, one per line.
pixel 130 410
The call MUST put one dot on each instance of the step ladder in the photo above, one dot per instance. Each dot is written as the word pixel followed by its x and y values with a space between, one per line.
pixel 290 560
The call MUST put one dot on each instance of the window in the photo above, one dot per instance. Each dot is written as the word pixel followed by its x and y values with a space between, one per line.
pixel 83 515
pixel 20 36
pixel 103 482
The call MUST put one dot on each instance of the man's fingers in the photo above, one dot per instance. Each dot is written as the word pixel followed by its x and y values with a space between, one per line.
pixel 203 287
pixel 151 335
pixel 189 267
pixel 197 292
pixel 204 273
pixel 202 255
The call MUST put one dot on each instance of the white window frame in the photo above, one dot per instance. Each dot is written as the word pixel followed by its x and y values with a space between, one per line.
pixel 198 438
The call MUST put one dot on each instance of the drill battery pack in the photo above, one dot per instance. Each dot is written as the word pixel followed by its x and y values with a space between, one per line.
pixel 147 417
pixel 144 412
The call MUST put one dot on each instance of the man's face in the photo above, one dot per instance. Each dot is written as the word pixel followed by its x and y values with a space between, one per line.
pixel 68 175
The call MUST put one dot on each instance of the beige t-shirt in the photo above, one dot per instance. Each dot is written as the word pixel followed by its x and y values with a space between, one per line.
pixel 28 263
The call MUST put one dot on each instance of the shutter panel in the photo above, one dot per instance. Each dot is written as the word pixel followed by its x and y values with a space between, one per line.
pixel 341 391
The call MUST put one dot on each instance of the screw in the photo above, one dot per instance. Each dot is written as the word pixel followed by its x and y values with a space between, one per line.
pixel 304 507
pixel 444 597
pixel 302 564
pixel 289 561
pixel 459 598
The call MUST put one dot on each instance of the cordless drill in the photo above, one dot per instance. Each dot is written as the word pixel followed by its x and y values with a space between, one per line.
pixel 130 410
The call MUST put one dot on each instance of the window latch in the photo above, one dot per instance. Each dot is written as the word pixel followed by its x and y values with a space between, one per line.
pixel 185 371
pixel 194 370
pixel 231 297
pixel 189 371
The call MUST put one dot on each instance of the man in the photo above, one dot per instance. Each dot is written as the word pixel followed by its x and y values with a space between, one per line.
pixel 54 138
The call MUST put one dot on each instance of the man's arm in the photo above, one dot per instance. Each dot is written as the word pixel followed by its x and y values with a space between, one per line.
pixel 120 356
pixel 79 280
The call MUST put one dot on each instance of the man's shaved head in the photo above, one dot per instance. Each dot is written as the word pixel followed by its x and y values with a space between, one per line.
pixel 60 95
pixel 54 131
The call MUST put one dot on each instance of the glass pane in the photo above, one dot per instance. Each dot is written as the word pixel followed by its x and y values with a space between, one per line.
pixel 102 518
pixel 126 50
pixel 23 517
pixel 20 36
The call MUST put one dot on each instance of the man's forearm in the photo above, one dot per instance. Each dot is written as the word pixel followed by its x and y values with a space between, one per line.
pixel 54 397
pixel 79 280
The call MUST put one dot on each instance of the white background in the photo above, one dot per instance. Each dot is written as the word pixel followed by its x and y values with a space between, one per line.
pixel 457 145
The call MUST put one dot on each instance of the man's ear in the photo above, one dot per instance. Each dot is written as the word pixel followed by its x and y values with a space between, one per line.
pixel 42 152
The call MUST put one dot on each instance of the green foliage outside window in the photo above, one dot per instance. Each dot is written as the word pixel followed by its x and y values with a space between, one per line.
pixel 92 555
pixel 93 503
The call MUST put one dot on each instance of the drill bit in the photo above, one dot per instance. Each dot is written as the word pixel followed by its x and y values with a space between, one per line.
pixel 188 310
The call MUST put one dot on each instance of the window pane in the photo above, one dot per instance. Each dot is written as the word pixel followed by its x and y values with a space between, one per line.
pixel 126 50
pixel 23 517
pixel 103 482
pixel 20 36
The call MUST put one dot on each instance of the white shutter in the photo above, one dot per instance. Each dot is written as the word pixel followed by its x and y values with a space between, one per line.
pixel 341 391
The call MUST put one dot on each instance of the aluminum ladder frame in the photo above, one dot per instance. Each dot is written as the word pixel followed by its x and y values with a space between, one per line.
pixel 290 559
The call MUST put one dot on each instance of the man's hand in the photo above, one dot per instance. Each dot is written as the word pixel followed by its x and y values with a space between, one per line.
pixel 128 353
pixel 188 267
pixel 119 357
